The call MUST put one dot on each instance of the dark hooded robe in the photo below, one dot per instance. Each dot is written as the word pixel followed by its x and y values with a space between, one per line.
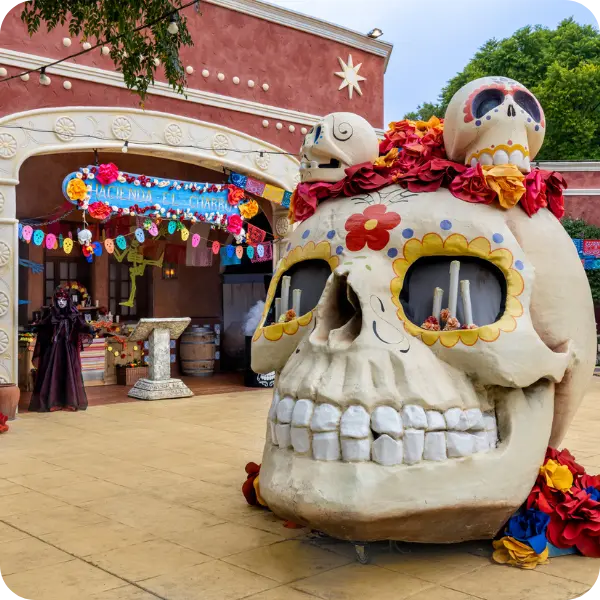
pixel 61 335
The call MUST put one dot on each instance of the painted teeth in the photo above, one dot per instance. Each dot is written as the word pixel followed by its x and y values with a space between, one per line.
pixel 387 436
pixel 501 157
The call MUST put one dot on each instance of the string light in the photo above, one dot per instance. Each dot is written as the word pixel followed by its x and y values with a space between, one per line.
pixel 112 140
pixel 125 147
pixel 44 79
pixel 173 28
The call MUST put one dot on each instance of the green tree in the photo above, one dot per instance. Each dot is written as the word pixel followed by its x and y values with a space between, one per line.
pixel 139 34
pixel 562 68
pixel 579 229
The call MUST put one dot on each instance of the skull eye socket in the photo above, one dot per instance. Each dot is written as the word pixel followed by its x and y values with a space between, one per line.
pixel 317 133
pixel 529 104
pixel 488 288
pixel 309 276
pixel 486 101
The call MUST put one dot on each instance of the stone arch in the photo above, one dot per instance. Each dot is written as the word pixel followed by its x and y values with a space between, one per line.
pixel 69 129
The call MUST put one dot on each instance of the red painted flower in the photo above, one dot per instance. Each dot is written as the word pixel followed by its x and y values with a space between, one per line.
pixel 107 174
pixel 371 228
pixel 234 224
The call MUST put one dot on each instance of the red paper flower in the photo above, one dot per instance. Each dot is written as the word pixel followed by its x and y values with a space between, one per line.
pixel 235 196
pixel 430 176
pixel 107 174
pixel 471 187
pixel 99 210
pixel 535 192
pixel 564 457
pixel 371 228
pixel 361 178
pixel 577 523
pixel 252 470
pixel 234 224
pixel 3 425
pixel 555 184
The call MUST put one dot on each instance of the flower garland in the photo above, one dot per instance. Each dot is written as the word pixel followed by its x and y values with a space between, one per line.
pixel 560 516
pixel 412 154
pixel 106 174
pixel 76 287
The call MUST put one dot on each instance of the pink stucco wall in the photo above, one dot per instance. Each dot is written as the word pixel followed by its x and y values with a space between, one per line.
pixel 298 67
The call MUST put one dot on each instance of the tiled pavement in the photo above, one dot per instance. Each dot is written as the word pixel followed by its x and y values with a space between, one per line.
pixel 140 501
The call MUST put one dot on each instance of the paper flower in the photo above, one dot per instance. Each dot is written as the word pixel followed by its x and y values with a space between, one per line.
pixel 507 182
pixel 371 228
pixel 249 209
pixel 107 174
pixel 564 457
pixel 557 476
pixel 452 324
pixel 235 196
pixel 234 224
pixel 509 551
pixel 471 186
pixel 99 210
pixel 529 526
pixel 76 189
pixel 251 489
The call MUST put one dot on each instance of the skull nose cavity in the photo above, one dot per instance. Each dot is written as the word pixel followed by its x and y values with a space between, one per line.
pixel 511 111
pixel 340 315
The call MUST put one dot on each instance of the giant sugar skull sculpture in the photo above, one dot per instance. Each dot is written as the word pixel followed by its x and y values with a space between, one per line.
pixel 381 428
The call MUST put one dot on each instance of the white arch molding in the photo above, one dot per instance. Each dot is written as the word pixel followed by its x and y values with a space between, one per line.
pixel 65 129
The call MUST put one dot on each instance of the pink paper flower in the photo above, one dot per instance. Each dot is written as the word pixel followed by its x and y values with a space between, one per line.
pixel 107 174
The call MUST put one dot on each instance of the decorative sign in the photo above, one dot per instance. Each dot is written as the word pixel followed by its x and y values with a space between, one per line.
pixel 171 195
pixel 591 248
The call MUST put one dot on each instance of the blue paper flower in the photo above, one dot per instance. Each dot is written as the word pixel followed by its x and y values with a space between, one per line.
pixel 529 526
pixel 594 493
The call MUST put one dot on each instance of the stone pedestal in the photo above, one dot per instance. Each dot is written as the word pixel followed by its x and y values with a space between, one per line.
pixel 159 384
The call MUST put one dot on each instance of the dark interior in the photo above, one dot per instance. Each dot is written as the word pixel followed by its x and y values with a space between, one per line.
pixel 310 276
pixel 488 288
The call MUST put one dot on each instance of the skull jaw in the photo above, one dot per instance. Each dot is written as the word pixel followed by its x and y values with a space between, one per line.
pixel 446 502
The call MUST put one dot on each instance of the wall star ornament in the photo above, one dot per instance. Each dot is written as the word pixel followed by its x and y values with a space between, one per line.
pixel 350 76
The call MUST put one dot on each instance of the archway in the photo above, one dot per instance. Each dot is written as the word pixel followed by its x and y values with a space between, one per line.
pixel 60 130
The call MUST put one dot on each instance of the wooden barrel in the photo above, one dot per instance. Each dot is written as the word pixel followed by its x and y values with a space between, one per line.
pixel 197 351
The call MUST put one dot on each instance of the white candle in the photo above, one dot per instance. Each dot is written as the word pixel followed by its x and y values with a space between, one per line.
pixel 97 303
pixel 453 294
pixel 465 292
pixel 277 309
pixel 285 293
pixel 296 295
pixel 117 318
pixel 438 295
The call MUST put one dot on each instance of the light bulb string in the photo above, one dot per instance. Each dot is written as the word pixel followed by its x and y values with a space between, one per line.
pixel 128 143
pixel 99 44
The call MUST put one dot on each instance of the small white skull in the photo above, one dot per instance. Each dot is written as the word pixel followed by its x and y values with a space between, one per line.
pixel 337 142
pixel 84 237
pixel 494 121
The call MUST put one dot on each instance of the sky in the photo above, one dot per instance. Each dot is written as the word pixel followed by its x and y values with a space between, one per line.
pixel 435 39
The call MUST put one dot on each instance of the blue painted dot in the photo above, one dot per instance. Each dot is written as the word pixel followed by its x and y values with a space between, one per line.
pixel 498 238
pixel 446 225
pixel 331 234
pixel 392 252
pixel 519 265
pixel 496 110
pixel 478 122
pixel 306 234
pixel 289 247
pixel 529 120
pixel 408 233
pixel 537 127
pixel 339 249
pixel 488 117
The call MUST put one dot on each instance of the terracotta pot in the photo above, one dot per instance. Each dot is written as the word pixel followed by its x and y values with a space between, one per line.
pixel 9 399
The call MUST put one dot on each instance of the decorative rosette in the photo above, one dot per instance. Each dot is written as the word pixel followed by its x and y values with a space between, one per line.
pixel 412 154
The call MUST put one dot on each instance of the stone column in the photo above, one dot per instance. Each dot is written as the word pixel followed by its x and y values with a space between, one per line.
pixel 9 285
pixel 159 354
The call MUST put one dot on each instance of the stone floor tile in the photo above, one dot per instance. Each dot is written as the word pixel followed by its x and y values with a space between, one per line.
pixel 358 582
pixel 225 539
pixel 73 580
pixel 96 539
pixel 228 506
pixel 127 592
pixel 209 581
pixel 577 568
pixel 148 559
pixel 8 533
pixel 45 520
pixel 146 478
pixel 267 521
pixel 27 554
pixel 27 502
pixel 7 488
pixel 441 593
pixel 24 466
pixel 287 561
pixel 501 582
pixel 86 491
pixel 41 482
pixel 285 592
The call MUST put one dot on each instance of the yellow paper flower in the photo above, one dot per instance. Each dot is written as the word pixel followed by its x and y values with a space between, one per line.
pixel 256 485
pixel 76 189
pixel 388 160
pixel 557 476
pixel 506 181
pixel 457 245
pixel 423 127
pixel 508 551
pixel 249 209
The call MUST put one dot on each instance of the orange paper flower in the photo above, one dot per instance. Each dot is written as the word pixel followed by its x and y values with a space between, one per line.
pixel 76 189
pixel 249 209
pixel 507 182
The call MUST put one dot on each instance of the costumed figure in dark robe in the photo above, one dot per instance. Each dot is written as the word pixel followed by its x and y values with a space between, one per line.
pixel 61 335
